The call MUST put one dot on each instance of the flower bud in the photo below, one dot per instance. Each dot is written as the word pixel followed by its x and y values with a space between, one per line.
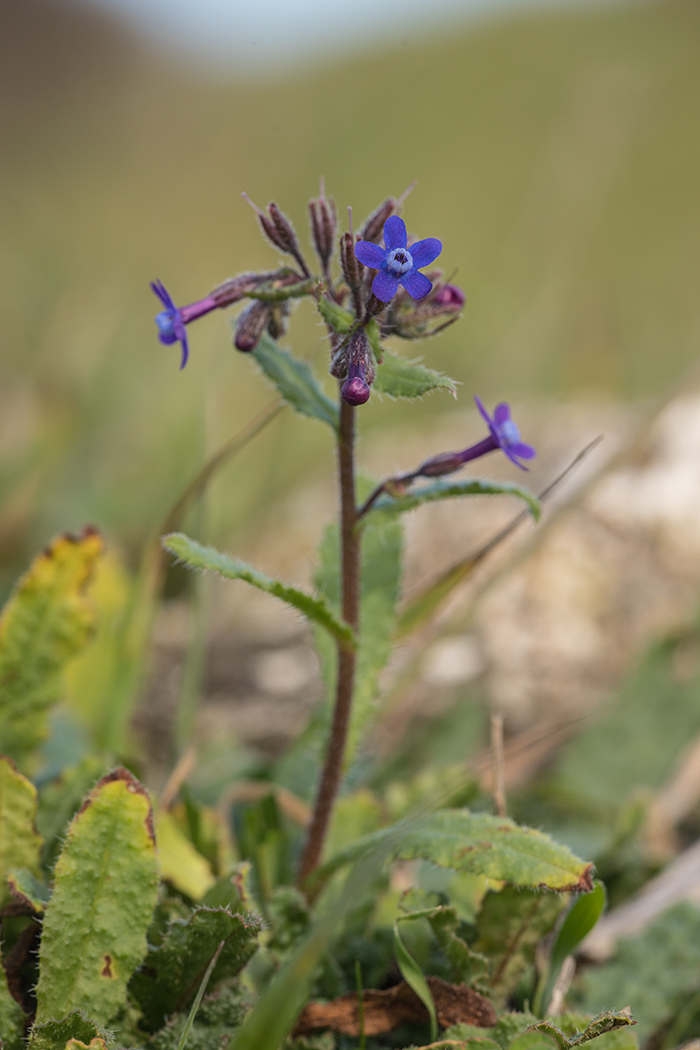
pixel 361 371
pixel 374 225
pixel 352 270
pixel 449 298
pixel 323 227
pixel 439 465
pixel 251 325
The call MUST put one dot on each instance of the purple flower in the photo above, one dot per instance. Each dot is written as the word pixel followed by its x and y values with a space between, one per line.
pixel 396 263
pixel 356 390
pixel 172 320
pixel 505 434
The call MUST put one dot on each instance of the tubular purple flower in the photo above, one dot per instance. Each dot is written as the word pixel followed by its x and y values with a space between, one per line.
pixel 172 320
pixel 503 434
pixel 397 264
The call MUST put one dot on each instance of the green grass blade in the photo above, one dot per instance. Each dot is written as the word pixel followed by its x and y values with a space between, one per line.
pixel 414 976
pixel 198 998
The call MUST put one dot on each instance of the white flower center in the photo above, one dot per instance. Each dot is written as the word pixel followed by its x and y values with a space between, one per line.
pixel 398 262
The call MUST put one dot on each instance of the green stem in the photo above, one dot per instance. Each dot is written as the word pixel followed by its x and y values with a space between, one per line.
pixel 332 771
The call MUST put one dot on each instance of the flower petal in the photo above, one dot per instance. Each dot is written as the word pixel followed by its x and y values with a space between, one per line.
pixel 501 413
pixel 369 254
pixel 416 284
pixel 509 453
pixel 480 406
pixel 185 349
pixel 395 235
pixel 162 292
pixel 385 286
pixel 523 450
pixel 425 252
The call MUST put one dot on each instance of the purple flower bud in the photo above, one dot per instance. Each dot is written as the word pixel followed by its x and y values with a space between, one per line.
pixel 450 298
pixel 396 263
pixel 356 389
pixel 361 372
pixel 251 325
pixel 323 227
pixel 373 226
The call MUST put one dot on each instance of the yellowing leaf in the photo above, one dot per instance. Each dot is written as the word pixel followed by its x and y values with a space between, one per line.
pixel 47 620
pixel 180 863
pixel 20 844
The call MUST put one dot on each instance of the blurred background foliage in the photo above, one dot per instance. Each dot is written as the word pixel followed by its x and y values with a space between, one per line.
pixel 556 154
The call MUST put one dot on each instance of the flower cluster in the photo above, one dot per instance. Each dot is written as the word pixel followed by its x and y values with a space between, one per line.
pixel 379 284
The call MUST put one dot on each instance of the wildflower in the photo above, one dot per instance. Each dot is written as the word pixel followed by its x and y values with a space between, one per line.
pixel 396 263
pixel 172 320
pixel 504 434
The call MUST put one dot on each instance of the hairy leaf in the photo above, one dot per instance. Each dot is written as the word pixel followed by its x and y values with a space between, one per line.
pixel 339 319
pixel 107 870
pixel 20 845
pixel 180 863
pixel 60 800
pixel 481 844
pixel 199 557
pixel 47 620
pixel 28 889
pixel 12 1018
pixel 510 925
pixel 388 507
pixel 173 971
pixel 295 382
pixel 400 378
pixel 54 1035
pixel 652 972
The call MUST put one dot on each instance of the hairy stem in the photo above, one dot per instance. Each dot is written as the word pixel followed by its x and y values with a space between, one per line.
pixel 332 771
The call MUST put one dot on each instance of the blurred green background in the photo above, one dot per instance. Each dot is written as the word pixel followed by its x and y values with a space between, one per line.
pixel 557 156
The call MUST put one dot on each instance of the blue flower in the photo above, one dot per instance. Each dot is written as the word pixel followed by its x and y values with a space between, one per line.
pixel 505 434
pixel 171 325
pixel 396 263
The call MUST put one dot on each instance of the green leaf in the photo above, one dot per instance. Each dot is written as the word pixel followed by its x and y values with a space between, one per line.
pixel 60 800
pixel 468 967
pixel 20 845
pixel 400 378
pixel 47 620
pixel 597 1027
pixel 415 978
pixel 172 972
pixel 12 1019
pixel 388 507
pixel 53 1035
pixel 199 557
pixel 578 923
pixel 651 972
pixel 295 382
pixel 26 888
pixel 534 1041
pixel 339 319
pixel 511 923
pixel 107 870
pixel 478 843
pixel 278 1006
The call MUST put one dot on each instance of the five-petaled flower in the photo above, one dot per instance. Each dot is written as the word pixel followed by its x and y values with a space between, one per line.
pixel 172 320
pixel 504 434
pixel 397 264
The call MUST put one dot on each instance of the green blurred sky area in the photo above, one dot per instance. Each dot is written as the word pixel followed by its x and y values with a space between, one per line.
pixel 557 156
